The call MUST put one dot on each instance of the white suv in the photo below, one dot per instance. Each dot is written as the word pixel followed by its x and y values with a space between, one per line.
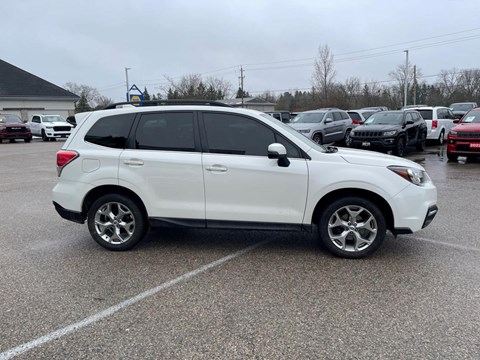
pixel 49 127
pixel 210 166
pixel 439 121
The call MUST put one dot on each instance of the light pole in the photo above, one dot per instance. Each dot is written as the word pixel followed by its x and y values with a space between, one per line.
pixel 126 76
pixel 406 79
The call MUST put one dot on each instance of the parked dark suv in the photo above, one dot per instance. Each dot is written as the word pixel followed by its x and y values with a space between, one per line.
pixel 391 130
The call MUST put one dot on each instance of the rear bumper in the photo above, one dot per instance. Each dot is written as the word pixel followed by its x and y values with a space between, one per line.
pixel 69 214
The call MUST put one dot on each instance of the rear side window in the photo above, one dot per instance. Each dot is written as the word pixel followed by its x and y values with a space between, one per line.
pixel 111 131
pixel 426 114
pixel 166 131
pixel 355 116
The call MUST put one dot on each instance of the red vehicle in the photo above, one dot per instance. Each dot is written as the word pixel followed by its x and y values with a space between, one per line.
pixel 12 127
pixel 464 138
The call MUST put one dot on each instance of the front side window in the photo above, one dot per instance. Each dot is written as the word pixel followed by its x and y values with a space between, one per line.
pixel 111 131
pixel 166 131
pixel 239 135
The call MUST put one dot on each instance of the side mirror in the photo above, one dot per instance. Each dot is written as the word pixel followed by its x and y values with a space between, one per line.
pixel 328 120
pixel 456 121
pixel 410 122
pixel 278 151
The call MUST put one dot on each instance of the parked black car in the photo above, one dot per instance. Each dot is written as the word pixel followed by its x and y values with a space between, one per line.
pixel 391 130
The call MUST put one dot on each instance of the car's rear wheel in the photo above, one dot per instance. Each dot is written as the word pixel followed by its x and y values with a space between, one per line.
pixel 352 227
pixel 116 222
pixel 317 138
pixel 422 142
pixel 399 147
pixel 441 138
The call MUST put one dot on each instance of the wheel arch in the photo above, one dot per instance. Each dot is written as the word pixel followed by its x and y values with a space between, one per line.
pixel 366 194
pixel 110 189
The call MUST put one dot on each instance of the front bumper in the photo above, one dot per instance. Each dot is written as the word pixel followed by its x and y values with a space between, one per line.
pixel 367 143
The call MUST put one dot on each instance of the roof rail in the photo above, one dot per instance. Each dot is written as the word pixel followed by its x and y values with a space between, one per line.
pixel 168 102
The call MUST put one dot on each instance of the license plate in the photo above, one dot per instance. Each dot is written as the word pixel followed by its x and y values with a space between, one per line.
pixel 475 145
pixel 16 128
pixel 366 143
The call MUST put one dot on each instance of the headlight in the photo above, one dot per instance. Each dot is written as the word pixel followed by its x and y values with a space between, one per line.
pixel 390 133
pixel 48 127
pixel 304 131
pixel 415 176
pixel 453 132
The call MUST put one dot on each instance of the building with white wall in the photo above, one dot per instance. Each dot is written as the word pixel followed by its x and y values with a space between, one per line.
pixel 25 94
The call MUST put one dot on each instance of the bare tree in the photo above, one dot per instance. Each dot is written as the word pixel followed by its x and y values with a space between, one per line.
pixel 470 83
pixel 449 82
pixel 192 86
pixel 90 93
pixel 324 72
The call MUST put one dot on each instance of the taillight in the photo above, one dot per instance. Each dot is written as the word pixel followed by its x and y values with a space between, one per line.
pixel 356 122
pixel 434 124
pixel 63 158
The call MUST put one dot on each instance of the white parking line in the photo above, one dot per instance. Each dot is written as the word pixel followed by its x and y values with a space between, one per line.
pixel 456 246
pixel 115 308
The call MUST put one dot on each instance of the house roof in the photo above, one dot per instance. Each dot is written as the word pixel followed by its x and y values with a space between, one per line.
pixel 16 83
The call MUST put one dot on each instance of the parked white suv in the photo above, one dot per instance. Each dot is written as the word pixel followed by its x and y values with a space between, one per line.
pixel 210 166
pixel 439 121
pixel 49 127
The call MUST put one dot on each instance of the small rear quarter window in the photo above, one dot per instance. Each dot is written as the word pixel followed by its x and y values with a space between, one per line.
pixel 111 131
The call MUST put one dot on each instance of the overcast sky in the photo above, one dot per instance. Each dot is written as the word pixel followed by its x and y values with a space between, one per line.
pixel 276 42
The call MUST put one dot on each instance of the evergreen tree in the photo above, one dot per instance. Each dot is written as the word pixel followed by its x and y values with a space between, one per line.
pixel 82 104
pixel 146 95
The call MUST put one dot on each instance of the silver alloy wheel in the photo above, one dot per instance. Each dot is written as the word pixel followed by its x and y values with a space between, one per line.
pixel 352 228
pixel 114 222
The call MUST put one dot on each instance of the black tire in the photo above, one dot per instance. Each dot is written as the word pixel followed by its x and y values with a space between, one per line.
pixel 12 140
pixel 358 241
pixel 422 142
pixel 44 136
pixel 347 140
pixel 318 139
pixel 441 138
pixel 399 149
pixel 27 140
pixel 452 157
pixel 120 219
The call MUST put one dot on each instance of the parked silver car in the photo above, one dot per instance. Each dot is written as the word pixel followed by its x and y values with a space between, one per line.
pixel 324 125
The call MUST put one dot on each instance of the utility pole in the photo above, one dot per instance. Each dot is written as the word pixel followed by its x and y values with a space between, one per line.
pixel 128 87
pixel 414 84
pixel 241 82
pixel 406 79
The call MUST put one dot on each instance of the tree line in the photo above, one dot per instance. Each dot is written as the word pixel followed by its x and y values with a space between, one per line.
pixel 450 86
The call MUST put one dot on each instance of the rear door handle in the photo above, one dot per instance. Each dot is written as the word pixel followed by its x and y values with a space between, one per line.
pixel 216 168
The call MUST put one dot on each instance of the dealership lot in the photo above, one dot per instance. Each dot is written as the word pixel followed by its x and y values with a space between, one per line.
pixel 244 294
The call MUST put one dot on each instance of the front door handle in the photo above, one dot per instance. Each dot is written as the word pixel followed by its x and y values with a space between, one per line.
pixel 216 168
pixel 133 162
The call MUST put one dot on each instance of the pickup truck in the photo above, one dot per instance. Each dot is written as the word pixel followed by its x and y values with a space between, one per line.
pixel 49 127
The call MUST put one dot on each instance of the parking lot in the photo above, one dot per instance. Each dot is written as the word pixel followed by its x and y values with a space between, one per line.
pixel 204 294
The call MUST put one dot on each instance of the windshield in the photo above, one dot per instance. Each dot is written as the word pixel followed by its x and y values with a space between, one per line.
pixel 310 118
pixel 10 119
pixel 53 118
pixel 472 117
pixel 385 118
pixel 461 107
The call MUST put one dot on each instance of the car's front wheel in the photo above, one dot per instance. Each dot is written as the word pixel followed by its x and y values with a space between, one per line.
pixel 44 136
pixel 399 147
pixel 347 139
pixel 116 222
pixel 352 227
pixel 422 142
pixel 452 157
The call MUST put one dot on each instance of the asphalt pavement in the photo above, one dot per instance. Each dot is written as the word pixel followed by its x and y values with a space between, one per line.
pixel 217 294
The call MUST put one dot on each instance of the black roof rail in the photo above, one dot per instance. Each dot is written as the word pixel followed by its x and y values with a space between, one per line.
pixel 168 102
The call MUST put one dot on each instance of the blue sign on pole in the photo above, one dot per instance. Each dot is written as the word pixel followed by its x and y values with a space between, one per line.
pixel 137 97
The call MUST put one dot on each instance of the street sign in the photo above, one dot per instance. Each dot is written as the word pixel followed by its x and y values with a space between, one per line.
pixel 137 97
